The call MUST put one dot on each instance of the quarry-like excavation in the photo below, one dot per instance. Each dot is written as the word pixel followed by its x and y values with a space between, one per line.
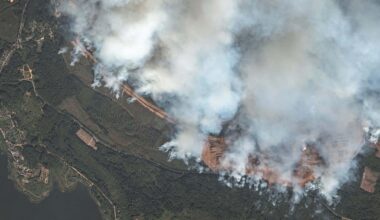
pixel 215 148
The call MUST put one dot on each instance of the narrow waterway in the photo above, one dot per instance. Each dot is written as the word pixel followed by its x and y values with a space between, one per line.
pixel 75 205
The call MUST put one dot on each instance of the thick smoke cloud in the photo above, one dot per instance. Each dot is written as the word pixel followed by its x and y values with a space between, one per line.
pixel 273 74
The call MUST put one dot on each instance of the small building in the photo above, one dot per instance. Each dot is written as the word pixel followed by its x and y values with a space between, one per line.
pixel 87 138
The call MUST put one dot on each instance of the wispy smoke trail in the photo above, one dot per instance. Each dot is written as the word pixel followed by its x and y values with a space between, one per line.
pixel 274 75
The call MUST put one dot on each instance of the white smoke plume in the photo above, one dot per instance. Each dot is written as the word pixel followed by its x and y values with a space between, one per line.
pixel 273 74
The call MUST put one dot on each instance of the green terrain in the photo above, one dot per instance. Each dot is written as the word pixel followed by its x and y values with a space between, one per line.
pixel 128 176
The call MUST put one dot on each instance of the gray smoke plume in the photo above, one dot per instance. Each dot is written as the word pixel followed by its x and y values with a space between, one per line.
pixel 281 73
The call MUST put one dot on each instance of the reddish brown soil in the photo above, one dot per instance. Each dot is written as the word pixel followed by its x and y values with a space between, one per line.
pixel 86 138
pixel 215 148
pixel 369 180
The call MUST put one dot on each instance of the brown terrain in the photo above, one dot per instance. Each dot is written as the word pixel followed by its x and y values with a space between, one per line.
pixel 377 147
pixel 370 177
pixel 212 152
pixel 87 138
pixel 369 180
pixel 215 148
